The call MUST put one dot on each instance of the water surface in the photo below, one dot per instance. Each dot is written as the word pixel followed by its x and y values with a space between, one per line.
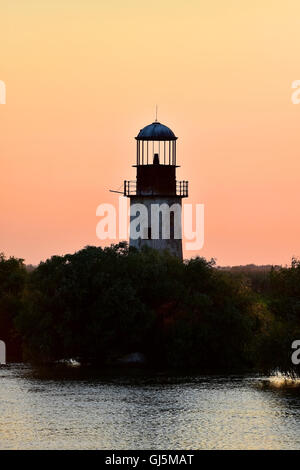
pixel 75 410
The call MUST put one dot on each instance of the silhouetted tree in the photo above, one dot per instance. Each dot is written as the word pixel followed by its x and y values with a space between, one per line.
pixel 101 303
pixel 12 283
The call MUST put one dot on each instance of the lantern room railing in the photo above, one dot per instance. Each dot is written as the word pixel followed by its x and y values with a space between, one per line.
pixel 130 189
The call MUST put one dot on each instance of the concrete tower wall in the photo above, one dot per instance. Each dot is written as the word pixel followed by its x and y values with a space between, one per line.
pixel 172 244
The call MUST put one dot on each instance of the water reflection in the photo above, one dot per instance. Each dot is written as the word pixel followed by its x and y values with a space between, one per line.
pixel 69 409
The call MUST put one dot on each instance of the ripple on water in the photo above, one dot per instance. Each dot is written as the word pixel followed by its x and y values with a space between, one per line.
pixel 153 411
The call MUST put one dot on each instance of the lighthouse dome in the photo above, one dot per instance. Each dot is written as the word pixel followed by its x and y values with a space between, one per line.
pixel 156 131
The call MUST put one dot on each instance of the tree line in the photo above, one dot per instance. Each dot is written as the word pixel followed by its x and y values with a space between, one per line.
pixel 99 304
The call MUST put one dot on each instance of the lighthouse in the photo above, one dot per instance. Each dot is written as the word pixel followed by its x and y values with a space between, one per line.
pixel 156 195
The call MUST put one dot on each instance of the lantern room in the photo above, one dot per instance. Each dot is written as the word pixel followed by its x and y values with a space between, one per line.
pixel 156 144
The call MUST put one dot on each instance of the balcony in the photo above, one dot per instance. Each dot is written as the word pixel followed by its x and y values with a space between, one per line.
pixel 182 188
pixel 130 189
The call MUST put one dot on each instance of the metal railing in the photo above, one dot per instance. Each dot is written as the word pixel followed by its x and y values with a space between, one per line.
pixel 130 189
pixel 182 188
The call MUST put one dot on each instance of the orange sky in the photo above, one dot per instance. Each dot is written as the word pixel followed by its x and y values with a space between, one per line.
pixel 83 77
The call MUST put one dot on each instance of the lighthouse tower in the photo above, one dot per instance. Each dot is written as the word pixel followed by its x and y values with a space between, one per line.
pixel 155 196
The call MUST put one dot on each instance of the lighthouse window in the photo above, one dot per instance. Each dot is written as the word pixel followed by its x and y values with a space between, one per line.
pixel 172 225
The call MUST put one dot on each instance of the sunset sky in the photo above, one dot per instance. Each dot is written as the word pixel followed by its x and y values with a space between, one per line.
pixel 82 78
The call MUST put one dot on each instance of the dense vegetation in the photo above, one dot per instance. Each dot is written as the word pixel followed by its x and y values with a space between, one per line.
pixel 12 286
pixel 98 305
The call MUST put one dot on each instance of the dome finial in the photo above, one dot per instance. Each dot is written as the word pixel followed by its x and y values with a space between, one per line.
pixel 156 113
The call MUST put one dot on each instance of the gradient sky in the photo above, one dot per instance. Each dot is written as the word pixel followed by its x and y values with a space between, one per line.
pixel 83 77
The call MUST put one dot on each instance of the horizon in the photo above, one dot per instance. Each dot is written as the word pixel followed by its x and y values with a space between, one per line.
pixel 218 266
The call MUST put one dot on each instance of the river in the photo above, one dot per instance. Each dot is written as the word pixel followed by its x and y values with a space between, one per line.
pixel 127 410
